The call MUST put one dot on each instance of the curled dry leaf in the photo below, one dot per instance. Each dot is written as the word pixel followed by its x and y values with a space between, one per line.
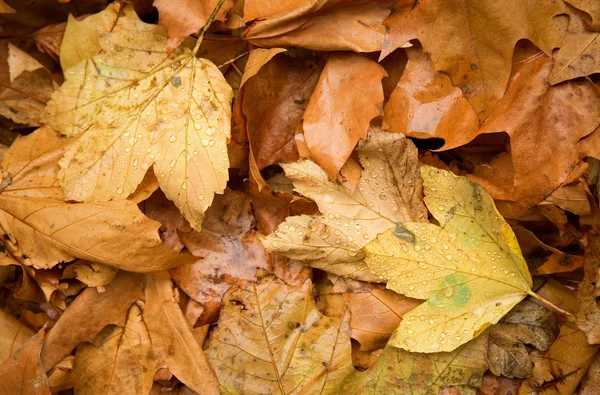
pixel 389 191
pixel 402 372
pixel 473 41
pixel 331 25
pixel 48 39
pixel 184 17
pixel 543 259
pixel 42 230
pixel 95 274
pixel 136 106
pixel 161 209
pixel 564 116
pixel 27 288
pixel 425 104
pixel 271 338
pixel 347 97
pixel 527 324
pixel 23 374
pixel 470 268
pixel 118 361
pixel 13 335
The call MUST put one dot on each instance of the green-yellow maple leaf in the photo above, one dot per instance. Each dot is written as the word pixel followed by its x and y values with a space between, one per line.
pixel 469 268
pixel 136 106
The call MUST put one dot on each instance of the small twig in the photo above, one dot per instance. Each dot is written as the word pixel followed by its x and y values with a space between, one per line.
pixel 549 304
pixel 234 59
pixel 210 20
pixel 236 69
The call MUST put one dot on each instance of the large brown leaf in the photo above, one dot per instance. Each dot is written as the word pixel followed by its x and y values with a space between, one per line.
pixel 332 25
pixel 347 97
pixel 551 130
pixel 473 41
pixel 42 230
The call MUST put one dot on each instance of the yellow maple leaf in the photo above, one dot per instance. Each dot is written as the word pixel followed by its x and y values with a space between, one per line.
pixel 388 191
pixel 469 268
pixel 137 106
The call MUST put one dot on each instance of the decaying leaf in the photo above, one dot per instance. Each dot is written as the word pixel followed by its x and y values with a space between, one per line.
pixel 42 230
pixel 388 192
pixel 135 106
pixel 473 41
pixel 402 372
pixel 228 248
pixel 118 361
pixel 271 339
pixel 347 97
pixel 470 268
pixel 23 374
pixel 527 324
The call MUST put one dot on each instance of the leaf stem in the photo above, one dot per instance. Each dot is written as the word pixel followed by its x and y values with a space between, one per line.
pixel 548 303
pixel 210 20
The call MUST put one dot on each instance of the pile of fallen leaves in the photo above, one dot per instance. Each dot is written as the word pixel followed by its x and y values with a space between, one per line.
pixel 300 197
